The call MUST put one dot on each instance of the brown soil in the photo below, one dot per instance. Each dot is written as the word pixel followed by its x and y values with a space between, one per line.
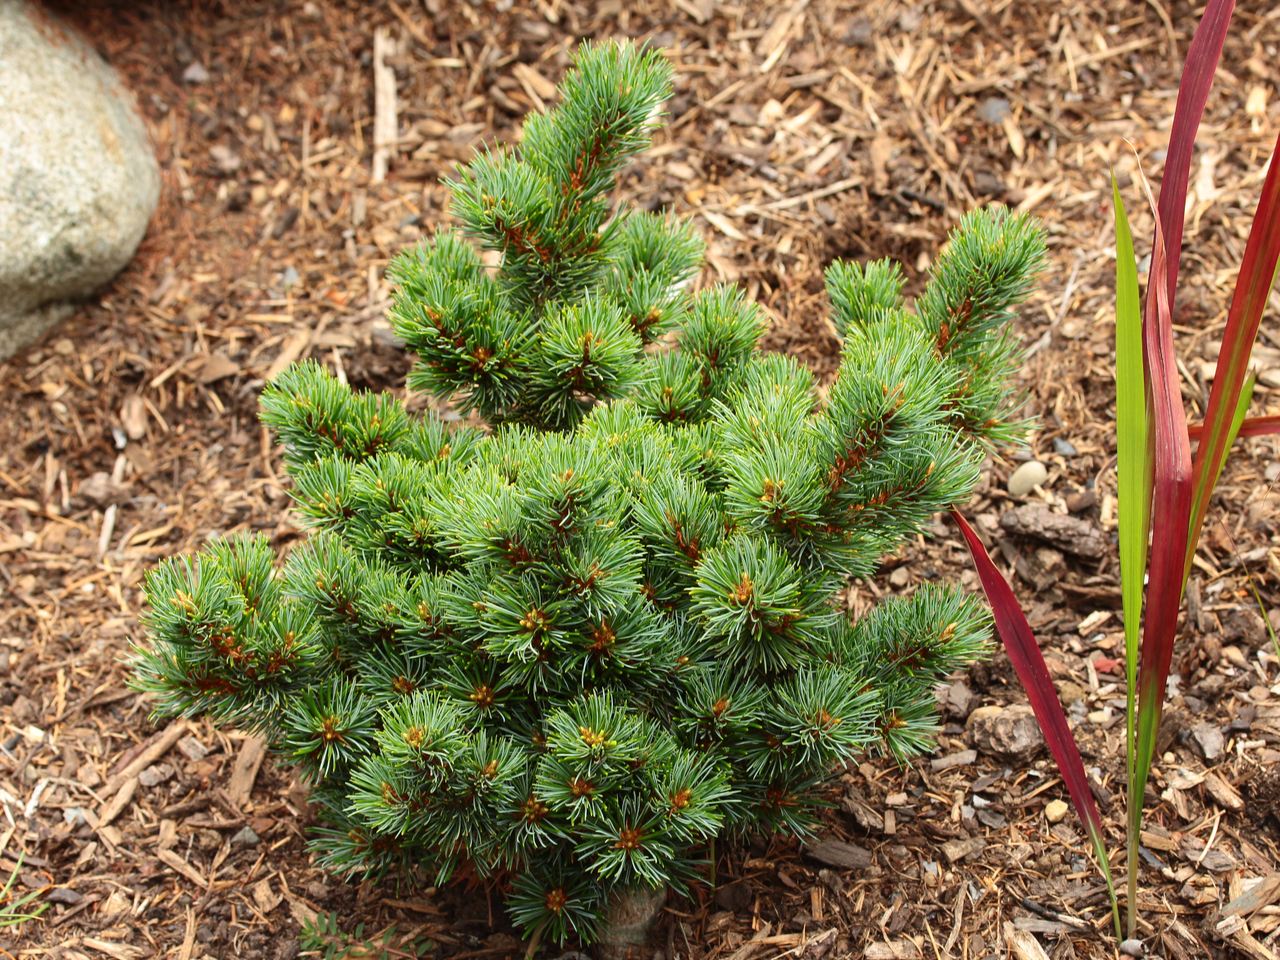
pixel 802 131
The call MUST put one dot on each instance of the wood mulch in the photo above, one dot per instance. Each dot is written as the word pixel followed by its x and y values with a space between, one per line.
pixel 802 131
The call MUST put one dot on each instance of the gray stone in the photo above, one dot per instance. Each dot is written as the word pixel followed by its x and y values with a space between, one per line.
pixel 155 775
pixel 1027 477
pixel 1010 733
pixel 192 748
pixel 78 178
pixel 994 110
pixel 1209 739
pixel 245 837
pixel 195 73
pixel 959 700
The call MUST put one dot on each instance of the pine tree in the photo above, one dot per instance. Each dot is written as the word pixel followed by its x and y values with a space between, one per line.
pixel 567 652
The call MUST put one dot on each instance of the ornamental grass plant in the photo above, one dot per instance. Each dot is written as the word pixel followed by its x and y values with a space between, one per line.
pixel 1163 489
pixel 565 652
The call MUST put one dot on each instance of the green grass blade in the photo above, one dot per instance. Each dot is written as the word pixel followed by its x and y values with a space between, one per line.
pixel 1133 452
pixel 1134 477
pixel 11 912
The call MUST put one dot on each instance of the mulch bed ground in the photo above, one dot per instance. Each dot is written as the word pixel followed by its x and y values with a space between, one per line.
pixel 802 131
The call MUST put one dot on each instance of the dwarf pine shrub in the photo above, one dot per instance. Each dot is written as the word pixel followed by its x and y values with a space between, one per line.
pixel 567 652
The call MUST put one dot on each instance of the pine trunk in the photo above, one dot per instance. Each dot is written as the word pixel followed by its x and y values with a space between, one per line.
pixel 629 920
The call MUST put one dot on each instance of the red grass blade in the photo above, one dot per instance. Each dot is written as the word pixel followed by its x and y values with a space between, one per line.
pixel 1028 663
pixel 1193 93
pixel 1252 427
pixel 1171 508
pixel 1253 287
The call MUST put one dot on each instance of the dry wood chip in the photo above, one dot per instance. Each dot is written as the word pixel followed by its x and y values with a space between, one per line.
pixel 217 366
pixel 1262 894
pixel 837 853
pixel 264 897
pixel 1022 945
pixel 1157 839
pixel 1223 792
pixel 1213 859
pixel 111 809
pixel 245 772
pixel 893 950
pixel 866 816
pixel 290 352
pixel 1250 947
pixel 535 84
pixel 182 867
pixel 303 912
pixel 189 938
pixel 121 951
pixel 1067 533
pixel 724 225
pixel 957 850
pixel 156 748
pixel 384 103
pixel 960 759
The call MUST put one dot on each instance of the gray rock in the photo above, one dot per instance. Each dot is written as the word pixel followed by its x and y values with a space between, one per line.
pixel 78 178
pixel 1010 733
pixel 192 748
pixel 1027 477
pixel 994 110
pixel 959 700
pixel 1209 740
pixel 64 895
pixel 245 837
pixel 195 73
pixel 155 775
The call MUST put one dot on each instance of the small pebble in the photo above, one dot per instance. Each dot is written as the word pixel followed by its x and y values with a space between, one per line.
pixel 64 895
pixel 195 73
pixel 155 775
pixel 1133 948
pixel 1055 811
pixel 994 110
pixel 1081 500
pixel 1027 477
pixel 1064 447
pixel 228 160
pixel 192 749
pixel 1209 739
pixel 245 837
